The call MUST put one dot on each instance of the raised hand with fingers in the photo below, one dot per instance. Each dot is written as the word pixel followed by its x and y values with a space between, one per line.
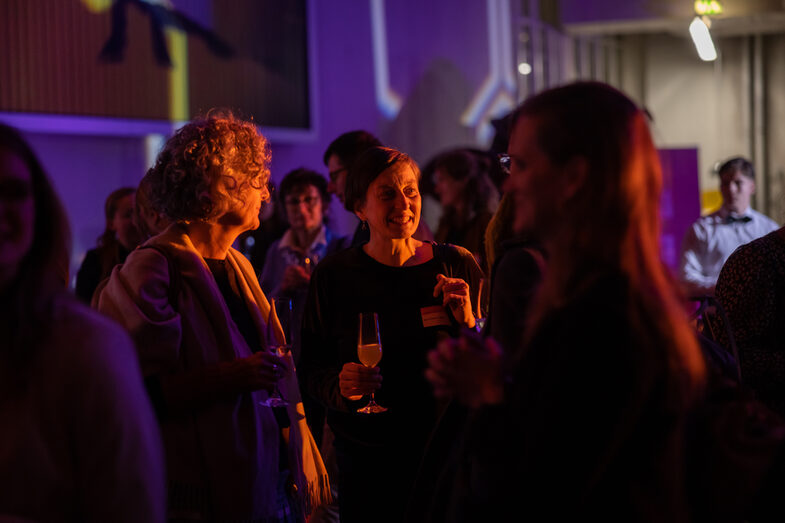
pixel 455 292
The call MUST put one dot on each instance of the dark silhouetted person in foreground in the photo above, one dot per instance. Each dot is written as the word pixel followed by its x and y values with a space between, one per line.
pixel 78 441
pixel 591 419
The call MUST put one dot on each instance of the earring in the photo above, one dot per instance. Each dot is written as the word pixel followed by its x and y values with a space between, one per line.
pixel 364 225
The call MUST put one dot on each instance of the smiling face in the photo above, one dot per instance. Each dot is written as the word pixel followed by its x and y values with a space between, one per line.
pixel 17 213
pixel 392 204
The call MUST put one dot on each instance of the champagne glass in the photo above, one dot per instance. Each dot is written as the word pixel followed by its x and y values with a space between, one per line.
pixel 369 350
pixel 280 315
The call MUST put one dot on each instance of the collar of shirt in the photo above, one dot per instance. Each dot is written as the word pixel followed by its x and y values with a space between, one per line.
pixel 317 245
pixel 728 217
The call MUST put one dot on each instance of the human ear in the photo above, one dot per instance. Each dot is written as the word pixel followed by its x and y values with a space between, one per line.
pixel 575 172
pixel 358 211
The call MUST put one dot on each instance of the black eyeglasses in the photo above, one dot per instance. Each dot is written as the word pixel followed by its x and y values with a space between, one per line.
pixel 504 162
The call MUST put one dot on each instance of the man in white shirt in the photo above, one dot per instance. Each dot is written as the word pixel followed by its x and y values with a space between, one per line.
pixel 712 239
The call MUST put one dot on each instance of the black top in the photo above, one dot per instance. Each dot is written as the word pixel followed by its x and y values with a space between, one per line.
pixel 239 312
pixel 90 273
pixel 592 419
pixel 350 282
pixel 238 309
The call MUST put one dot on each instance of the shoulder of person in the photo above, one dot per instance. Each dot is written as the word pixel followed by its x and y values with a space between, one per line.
pixel 450 252
pixel 91 258
pixel 92 338
pixel 521 256
pixel 765 219
pixel 337 243
pixel 340 259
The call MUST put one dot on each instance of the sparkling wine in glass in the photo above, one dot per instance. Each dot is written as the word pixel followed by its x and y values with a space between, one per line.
pixel 280 315
pixel 369 350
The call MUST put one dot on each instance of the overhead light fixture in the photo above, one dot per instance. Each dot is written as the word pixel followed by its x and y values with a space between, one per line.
pixel 699 30
pixel 708 7
pixel 524 68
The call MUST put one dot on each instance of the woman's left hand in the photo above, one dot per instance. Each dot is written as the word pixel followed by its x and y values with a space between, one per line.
pixel 468 369
pixel 456 297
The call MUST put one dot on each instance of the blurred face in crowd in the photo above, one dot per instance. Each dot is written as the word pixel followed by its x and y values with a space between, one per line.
pixel 17 213
pixel 534 181
pixel 123 222
pixel 304 208
pixel 448 189
pixel 392 203
pixel 737 190
pixel 337 177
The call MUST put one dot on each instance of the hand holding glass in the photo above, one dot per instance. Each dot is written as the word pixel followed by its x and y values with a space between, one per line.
pixel 369 350
pixel 280 315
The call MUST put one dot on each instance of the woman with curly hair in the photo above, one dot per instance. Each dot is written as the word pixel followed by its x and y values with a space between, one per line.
pixel 198 316
pixel 79 439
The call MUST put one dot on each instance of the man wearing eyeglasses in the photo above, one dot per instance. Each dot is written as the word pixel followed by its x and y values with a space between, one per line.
pixel 339 156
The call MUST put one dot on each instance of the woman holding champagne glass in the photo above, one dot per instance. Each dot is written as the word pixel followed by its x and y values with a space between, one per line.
pixel 420 293
pixel 199 319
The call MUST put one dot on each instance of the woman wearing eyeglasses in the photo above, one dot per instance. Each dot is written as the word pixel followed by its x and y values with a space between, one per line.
pixel 287 268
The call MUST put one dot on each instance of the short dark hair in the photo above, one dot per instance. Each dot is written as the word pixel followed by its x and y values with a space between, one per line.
pixel 737 163
pixel 349 146
pixel 367 168
pixel 299 179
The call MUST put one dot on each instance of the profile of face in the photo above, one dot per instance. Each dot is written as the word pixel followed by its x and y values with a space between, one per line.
pixel 123 223
pixel 304 208
pixel 534 181
pixel 244 200
pixel 448 189
pixel 737 190
pixel 337 177
pixel 17 213
pixel 392 203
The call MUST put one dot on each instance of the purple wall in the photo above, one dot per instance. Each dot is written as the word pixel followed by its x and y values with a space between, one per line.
pixel 680 199
pixel 438 60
